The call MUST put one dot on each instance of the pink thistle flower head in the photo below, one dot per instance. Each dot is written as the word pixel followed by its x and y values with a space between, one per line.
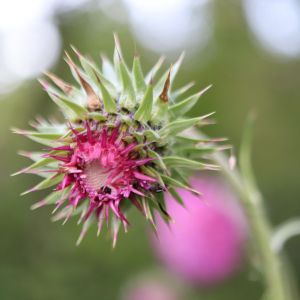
pixel 121 144
pixel 206 245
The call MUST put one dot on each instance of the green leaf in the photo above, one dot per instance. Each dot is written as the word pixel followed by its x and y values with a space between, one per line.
pixel 140 85
pixel 143 114
pixel 175 196
pixel 174 128
pixel 95 75
pixel 127 99
pixel 151 136
pixel 73 111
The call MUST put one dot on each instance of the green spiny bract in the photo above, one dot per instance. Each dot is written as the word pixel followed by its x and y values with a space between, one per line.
pixel 122 144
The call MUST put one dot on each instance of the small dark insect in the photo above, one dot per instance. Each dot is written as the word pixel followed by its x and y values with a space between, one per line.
pixel 106 190
pixel 157 188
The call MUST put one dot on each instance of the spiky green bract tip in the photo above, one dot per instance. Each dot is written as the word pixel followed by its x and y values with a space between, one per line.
pixel 123 143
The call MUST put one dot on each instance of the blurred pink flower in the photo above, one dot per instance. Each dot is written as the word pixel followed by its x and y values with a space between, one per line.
pixel 151 291
pixel 206 245
pixel 154 285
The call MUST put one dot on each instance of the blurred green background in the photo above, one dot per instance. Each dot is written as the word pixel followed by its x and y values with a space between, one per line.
pixel 39 259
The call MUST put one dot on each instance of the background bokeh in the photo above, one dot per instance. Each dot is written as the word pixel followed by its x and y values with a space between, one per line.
pixel 249 50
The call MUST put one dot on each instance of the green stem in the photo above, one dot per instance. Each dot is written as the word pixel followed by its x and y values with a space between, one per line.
pixel 271 263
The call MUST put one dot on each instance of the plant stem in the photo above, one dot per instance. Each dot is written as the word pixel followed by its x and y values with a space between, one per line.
pixel 271 263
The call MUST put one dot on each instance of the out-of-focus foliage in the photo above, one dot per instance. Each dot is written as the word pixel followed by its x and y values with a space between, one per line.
pixel 38 260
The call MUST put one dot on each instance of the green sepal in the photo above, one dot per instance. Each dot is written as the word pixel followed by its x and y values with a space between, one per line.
pixel 161 207
pixel 48 136
pixel 65 212
pixel 178 162
pixel 127 99
pixel 111 125
pixel 143 114
pixel 41 138
pixel 158 161
pixel 174 128
pixel 137 147
pixel 72 92
pixel 180 109
pixel 127 120
pixel 151 135
pixel 128 139
pixel 108 70
pixel 179 92
pixel 159 110
pixel 142 153
pixel 35 156
pixel 159 178
pixel 39 164
pixel 52 198
pixel 110 105
pixel 140 85
pixel 175 196
pixel 92 72
pixel 154 70
pixel 87 224
pixel 197 152
pixel 61 128
pixel 47 183
pixel 182 175
pixel 139 136
pixel 73 111
pixel 97 116
pixel 170 181
pixel 174 71
pixel 148 172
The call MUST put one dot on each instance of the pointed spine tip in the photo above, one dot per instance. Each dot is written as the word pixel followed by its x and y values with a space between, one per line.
pixel 135 51
pixel 20 172
pixel 181 57
pixel 29 191
pixel 160 61
pixel 76 51
pixel 151 80
pixel 44 83
pixel 205 116
pixel 204 90
pixel 117 43
pixel 104 57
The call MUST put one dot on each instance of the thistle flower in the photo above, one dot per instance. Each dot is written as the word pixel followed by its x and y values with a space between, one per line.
pixel 121 144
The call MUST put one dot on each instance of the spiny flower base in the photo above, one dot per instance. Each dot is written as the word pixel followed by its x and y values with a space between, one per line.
pixel 122 143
